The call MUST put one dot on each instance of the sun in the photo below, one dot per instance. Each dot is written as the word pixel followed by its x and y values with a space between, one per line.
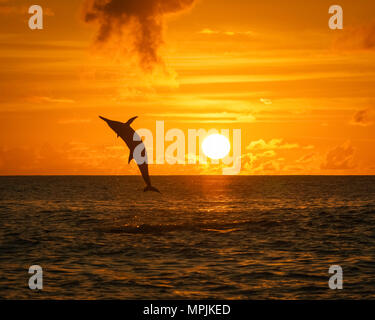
pixel 216 146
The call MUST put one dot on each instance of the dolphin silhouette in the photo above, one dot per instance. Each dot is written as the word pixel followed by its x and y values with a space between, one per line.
pixel 132 140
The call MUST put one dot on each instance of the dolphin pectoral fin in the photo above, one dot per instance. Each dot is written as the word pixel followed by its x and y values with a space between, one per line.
pixel 130 157
pixel 129 122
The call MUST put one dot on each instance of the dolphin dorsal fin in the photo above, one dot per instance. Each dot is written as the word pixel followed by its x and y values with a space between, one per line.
pixel 131 120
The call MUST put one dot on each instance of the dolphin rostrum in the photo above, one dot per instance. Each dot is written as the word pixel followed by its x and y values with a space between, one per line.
pixel 133 141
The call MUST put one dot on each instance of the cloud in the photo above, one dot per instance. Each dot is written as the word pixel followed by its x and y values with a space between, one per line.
pixel 7 8
pixel 50 100
pixel 135 23
pixel 261 159
pixel 266 156
pixel 339 158
pixel 269 166
pixel 11 9
pixel 306 158
pixel 357 38
pixel 308 147
pixel 261 163
pixel 271 145
pixel 362 118
pixel 266 101
pixel 74 121
pixel 69 158
pixel 219 117
pixel 209 31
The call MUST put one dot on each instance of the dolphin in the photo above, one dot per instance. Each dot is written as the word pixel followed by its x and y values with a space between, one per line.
pixel 132 140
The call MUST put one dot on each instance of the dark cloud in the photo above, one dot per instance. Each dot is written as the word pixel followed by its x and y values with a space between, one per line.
pixel 135 23
pixel 339 158
pixel 357 38
pixel 362 118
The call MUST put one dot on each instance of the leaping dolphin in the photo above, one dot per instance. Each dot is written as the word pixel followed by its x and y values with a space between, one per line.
pixel 132 140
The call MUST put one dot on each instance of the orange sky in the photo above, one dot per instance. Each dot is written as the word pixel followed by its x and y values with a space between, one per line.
pixel 302 94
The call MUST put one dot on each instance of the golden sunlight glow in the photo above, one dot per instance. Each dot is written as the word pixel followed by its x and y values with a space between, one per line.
pixel 216 146
pixel 302 94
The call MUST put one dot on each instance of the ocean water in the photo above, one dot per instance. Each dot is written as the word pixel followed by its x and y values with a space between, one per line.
pixel 215 237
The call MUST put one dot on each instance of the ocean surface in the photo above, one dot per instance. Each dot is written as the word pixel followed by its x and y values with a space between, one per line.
pixel 215 237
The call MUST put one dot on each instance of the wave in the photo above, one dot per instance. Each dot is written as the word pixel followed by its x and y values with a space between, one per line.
pixel 207 227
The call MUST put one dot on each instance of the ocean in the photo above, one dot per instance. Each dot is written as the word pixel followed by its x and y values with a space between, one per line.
pixel 204 237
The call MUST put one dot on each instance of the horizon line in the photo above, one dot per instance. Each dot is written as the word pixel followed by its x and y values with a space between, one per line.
pixel 187 175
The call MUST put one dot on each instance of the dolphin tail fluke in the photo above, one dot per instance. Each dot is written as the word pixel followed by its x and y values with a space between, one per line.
pixel 151 188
